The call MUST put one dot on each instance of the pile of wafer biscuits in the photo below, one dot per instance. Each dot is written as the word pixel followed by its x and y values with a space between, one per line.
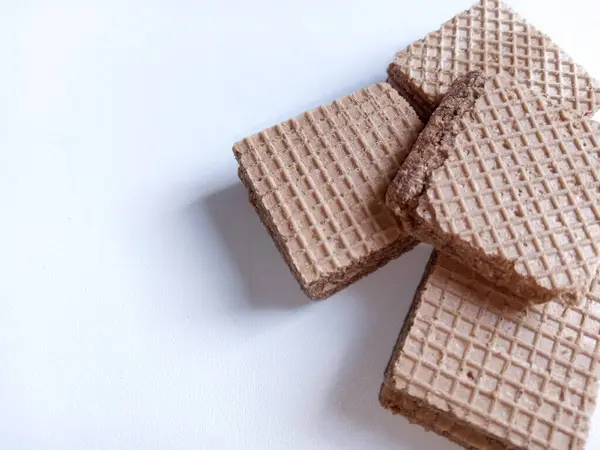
pixel 480 143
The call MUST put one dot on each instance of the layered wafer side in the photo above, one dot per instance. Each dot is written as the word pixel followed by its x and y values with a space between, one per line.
pixel 492 39
pixel 318 184
pixel 492 371
pixel 508 182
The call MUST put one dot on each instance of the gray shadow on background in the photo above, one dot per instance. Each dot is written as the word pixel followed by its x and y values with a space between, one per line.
pixel 385 297
pixel 268 282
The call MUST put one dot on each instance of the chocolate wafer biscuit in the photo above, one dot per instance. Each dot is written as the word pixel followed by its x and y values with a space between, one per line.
pixel 508 182
pixel 318 183
pixel 492 39
pixel 493 372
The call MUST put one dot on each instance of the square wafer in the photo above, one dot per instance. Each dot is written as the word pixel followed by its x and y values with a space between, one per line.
pixel 318 183
pixel 493 372
pixel 490 38
pixel 508 182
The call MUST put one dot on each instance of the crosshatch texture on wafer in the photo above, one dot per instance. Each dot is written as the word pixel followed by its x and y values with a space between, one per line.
pixel 318 183
pixel 492 39
pixel 516 192
pixel 521 377
pixel 417 412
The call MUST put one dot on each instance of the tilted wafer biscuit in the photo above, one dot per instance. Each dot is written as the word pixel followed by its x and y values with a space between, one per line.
pixel 318 184
pixel 493 372
pixel 509 183
pixel 490 38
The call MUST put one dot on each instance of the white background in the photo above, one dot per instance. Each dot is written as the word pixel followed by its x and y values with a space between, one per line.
pixel 142 304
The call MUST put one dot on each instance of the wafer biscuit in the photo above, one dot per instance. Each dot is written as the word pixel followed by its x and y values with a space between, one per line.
pixel 493 372
pixel 509 183
pixel 318 184
pixel 492 39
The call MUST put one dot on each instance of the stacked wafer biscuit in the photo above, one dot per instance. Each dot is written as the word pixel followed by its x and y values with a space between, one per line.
pixel 481 145
pixel 318 183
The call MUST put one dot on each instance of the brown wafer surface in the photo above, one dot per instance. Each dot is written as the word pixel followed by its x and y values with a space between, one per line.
pixel 318 183
pixel 490 38
pixel 490 371
pixel 509 182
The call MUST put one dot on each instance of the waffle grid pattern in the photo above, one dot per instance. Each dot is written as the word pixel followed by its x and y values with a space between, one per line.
pixel 522 181
pixel 492 39
pixel 527 377
pixel 322 178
